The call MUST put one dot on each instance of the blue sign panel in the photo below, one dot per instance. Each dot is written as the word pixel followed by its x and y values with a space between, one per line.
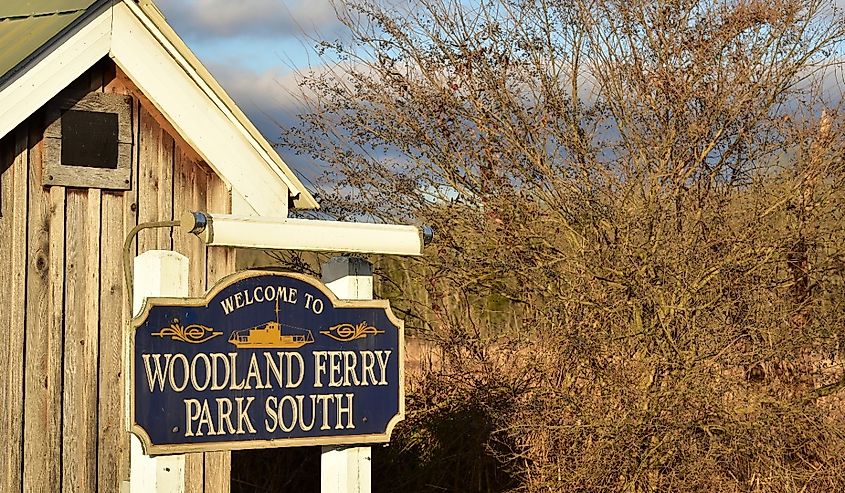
pixel 265 360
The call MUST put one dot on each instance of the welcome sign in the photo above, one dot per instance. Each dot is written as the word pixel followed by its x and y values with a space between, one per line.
pixel 265 360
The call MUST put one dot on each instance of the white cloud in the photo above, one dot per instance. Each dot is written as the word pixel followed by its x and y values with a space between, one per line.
pixel 249 18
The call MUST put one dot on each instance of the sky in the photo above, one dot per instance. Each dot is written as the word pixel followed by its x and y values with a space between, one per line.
pixel 252 48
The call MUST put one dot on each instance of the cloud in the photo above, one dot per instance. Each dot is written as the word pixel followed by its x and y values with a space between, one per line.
pixel 250 18
pixel 269 100
pixel 264 96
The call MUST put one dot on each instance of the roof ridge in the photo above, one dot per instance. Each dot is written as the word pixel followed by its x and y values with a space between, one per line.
pixel 40 14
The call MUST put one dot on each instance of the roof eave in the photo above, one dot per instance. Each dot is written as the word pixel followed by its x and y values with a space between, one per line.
pixel 205 80
pixel 48 70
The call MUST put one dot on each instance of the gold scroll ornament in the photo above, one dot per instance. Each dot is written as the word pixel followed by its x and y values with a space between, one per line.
pixel 193 334
pixel 346 332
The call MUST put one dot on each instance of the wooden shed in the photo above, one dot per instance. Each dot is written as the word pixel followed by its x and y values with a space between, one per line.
pixel 106 120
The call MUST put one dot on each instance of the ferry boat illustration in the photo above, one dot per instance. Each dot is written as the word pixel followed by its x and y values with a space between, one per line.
pixel 269 336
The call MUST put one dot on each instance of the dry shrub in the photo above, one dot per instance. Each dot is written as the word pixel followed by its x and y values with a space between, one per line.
pixel 638 278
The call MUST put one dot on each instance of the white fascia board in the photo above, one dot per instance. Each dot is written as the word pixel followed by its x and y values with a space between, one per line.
pixel 70 56
pixel 261 146
pixel 193 114
pixel 240 206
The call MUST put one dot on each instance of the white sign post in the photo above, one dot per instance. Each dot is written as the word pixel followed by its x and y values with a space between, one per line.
pixel 347 469
pixel 156 273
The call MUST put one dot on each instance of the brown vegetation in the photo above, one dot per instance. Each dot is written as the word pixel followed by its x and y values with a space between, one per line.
pixel 638 278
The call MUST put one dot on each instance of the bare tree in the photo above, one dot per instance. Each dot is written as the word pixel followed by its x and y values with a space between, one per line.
pixel 638 282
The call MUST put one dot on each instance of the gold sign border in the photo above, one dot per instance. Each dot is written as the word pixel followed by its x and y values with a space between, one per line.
pixel 165 449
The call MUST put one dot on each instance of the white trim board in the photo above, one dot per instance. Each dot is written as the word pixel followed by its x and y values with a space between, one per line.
pixel 151 18
pixel 32 88
pixel 185 105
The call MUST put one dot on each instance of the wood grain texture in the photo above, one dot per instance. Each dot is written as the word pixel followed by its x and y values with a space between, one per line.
pixel 93 239
pixel 165 163
pixel 97 102
pixel 7 158
pixel 79 441
pixel 220 262
pixel 62 394
pixel 130 197
pixel 126 86
pixel 62 400
pixel 148 186
pixel 198 192
pixel 113 457
pixel 186 181
pixel 155 185
pixel 130 219
pixel 57 321
pixel 57 173
pixel 43 358
pixel 118 217
pixel 191 189
pixel 12 358
pixel 181 200
pixel 82 176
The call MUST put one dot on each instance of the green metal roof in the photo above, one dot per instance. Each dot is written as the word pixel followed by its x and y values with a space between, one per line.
pixel 27 25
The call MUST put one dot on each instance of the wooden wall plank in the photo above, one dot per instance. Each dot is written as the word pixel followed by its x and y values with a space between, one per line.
pixel 15 372
pixel 197 278
pixel 116 82
pixel 113 443
pixel 14 319
pixel 7 159
pixel 57 320
pixel 94 241
pixel 165 165
pixel 190 183
pixel 181 200
pixel 93 213
pixel 130 197
pixel 43 386
pixel 198 191
pixel 79 442
pixel 130 219
pixel 220 261
pixel 185 180
pixel 147 180
pixel 165 191
pixel 118 217
pixel 155 185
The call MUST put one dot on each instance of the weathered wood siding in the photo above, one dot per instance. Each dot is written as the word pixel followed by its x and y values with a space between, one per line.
pixel 63 305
